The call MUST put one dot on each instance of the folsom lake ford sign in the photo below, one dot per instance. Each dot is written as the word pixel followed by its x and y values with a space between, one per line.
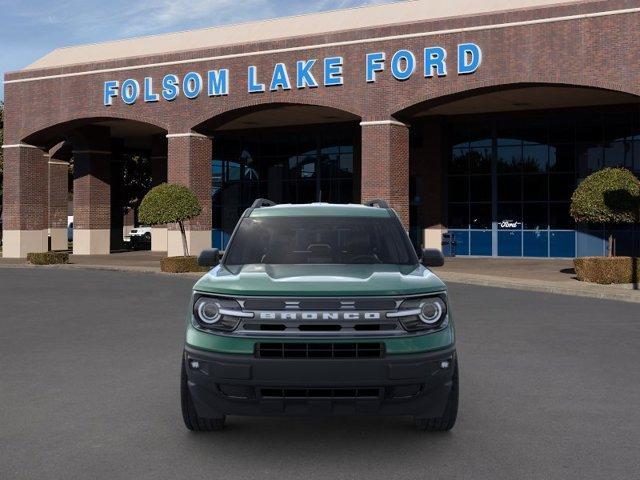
pixel 310 73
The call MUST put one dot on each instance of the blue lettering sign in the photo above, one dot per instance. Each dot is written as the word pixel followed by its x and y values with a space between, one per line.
pixel 170 89
pixel 403 64
pixel 192 85
pixel 253 85
pixel 375 63
pixel 435 58
pixel 304 76
pixel 333 71
pixel 149 96
pixel 280 78
pixel 130 91
pixel 218 82
pixel 469 58
pixel 110 92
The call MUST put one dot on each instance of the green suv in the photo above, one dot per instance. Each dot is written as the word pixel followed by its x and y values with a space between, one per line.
pixel 319 309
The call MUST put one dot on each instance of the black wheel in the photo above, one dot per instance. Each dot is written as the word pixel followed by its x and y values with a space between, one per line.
pixel 448 418
pixel 191 419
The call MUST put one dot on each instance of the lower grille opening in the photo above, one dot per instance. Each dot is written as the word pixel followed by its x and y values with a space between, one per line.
pixel 372 327
pixel 333 393
pixel 265 327
pixel 319 328
pixel 319 350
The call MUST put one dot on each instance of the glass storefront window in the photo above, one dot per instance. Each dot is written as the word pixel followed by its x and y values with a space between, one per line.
pixel 535 216
pixel 509 188
pixel 458 189
pixel 535 187
pixel 480 216
pixel 530 164
pixel 480 188
pixel 297 165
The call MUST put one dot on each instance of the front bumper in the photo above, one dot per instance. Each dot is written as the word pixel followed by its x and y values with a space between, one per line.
pixel 228 384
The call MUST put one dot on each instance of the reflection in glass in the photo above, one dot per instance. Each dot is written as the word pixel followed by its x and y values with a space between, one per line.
pixel 510 159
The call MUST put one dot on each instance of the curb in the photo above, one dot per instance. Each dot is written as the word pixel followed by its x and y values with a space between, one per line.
pixel 112 268
pixel 603 292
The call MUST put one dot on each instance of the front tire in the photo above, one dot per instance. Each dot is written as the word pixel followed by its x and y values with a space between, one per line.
pixel 448 418
pixel 192 420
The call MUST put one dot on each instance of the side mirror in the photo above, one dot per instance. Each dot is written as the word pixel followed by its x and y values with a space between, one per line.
pixel 209 258
pixel 432 257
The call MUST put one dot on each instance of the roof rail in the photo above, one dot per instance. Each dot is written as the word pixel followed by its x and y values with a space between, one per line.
pixel 262 202
pixel 377 203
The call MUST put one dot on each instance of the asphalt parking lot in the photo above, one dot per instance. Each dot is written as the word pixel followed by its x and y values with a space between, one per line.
pixel 550 389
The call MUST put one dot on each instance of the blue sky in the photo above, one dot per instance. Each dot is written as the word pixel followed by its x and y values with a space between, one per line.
pixel 31 28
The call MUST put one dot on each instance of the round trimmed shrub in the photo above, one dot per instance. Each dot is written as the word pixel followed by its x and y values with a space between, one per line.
pixel 611 195
pixel 170 203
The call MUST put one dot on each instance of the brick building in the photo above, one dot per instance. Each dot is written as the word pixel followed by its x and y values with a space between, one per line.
pixel 473 118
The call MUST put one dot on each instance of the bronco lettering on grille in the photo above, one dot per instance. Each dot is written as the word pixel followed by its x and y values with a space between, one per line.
pixel 319 315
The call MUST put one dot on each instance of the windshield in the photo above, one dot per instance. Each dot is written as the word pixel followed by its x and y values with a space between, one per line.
pixel 320 240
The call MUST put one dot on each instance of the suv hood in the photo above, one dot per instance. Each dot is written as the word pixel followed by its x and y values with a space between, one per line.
pixel 320 280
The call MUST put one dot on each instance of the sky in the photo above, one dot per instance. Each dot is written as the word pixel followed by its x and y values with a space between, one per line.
pixel 31 28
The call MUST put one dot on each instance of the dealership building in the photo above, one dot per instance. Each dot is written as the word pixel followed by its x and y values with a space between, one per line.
pixel 475 119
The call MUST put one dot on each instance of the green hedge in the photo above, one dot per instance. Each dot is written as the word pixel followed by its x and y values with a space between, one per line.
pixel 181 265
pixel 607 270
pixel 48 258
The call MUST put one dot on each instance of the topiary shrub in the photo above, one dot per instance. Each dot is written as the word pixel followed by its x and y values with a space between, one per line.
pixel 48 258
pixel 607 270
pixel 170 203
pixel 611 195
pixel 181 265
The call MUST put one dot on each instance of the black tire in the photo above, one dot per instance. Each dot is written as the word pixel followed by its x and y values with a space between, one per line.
pixel 191 419
pixel 448 418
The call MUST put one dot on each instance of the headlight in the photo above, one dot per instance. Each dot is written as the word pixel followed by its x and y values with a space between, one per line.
pixel 427 313
pixel 431 310
pixel 213 313
pixel 208 310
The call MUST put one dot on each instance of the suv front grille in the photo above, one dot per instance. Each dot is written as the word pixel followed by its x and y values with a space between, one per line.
pixel 329 393
pixel 319 350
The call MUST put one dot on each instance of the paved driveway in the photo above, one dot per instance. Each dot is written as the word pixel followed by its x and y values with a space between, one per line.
pixel 550 389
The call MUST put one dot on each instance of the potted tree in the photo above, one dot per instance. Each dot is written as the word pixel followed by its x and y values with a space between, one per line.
pixel 170 203
pixel 610 196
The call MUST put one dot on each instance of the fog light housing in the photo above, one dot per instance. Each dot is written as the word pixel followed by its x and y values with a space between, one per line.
pixel 194 364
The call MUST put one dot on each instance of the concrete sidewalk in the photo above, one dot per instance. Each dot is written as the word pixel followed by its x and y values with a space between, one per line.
pixel 540 275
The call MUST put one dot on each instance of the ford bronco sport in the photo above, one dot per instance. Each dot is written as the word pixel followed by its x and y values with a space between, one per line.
pixel 319 309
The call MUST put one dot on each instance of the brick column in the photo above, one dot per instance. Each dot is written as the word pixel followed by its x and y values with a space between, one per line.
pixel 24 201
pixel 158 159
pixel 385 165
pixel 58 197
pixel 189 164
pixel 92 192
